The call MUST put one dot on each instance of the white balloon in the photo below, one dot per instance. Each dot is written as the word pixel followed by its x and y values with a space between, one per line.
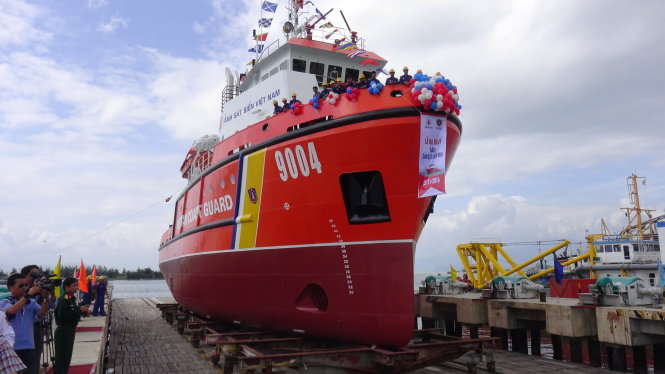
pixel 417 84
pixel 439 104
pixel 421 97
pixel 425 90
pixel 428 96
pixel 456 97
pixel 439 97
pixel 335 95
pixel 447 110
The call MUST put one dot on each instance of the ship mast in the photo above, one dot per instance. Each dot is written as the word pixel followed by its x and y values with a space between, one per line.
pixel 636 225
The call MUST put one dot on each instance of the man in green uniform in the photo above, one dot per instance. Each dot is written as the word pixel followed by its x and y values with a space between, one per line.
pixel 67 315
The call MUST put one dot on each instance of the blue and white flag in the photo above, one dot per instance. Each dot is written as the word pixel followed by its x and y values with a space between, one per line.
pixel 265 22
pixel 661 274
pixel 354 54
pixel 379 70
pixel 257 49
pixel 269 7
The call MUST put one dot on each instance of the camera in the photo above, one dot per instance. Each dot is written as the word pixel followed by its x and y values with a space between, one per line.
pixel 45 281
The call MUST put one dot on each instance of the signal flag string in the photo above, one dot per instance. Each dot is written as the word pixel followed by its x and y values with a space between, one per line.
pixel 69 246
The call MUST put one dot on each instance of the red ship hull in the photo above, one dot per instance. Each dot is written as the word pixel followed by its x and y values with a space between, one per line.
pixel 275 236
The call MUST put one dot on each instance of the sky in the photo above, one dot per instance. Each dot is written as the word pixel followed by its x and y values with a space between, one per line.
pixel 100 100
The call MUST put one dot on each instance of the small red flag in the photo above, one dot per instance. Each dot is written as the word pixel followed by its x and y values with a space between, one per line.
pixel 94 275
pixel 261 37
pixel 368 61
pixel 83 279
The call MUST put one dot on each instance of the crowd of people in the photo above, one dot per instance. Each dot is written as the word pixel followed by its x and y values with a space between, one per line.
pixel 339 87
pixel 26 318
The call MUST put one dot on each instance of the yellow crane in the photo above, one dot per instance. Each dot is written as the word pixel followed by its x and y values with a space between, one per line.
pixel 482 261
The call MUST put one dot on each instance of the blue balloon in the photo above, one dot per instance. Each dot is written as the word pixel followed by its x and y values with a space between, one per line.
pixel 379 86
pixel 439 80
pixel 311 100
pixel 293 106
pixel 446 81
pixel 449 86
pixel 349 90
pixel 417 76
pixel 433 105
pixel 429 86
pixel 316 105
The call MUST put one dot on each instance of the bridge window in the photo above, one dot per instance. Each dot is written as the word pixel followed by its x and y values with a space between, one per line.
pixel 299 65
pixel 317 68
pixel 617 248
pixel 351 73
pixel 599 249
pixel 334 72
pixel 284 65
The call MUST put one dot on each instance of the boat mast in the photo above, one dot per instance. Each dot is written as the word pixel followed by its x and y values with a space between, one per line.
pixel 636 226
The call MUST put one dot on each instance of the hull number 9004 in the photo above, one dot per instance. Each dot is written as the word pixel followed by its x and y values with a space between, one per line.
pixel 294 162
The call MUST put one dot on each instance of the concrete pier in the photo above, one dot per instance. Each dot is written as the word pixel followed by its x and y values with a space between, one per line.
pixel 612 330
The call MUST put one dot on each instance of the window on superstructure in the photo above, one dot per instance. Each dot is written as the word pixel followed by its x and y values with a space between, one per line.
pixel 299 65
pixel 334 72
pixel 284 65
pixel 652 279
pixel 351 73
pixel 274 71
pixel 317 68
pixel 265 76
pixel 367 74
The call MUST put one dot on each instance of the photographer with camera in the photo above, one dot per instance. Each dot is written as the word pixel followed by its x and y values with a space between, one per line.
pixel 22 310
pixel 67 315
pixel 33 275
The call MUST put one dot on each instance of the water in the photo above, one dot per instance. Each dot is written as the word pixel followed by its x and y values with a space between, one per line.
pixel 130 289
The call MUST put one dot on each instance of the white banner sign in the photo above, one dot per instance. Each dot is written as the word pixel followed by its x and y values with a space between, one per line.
pixel 432 157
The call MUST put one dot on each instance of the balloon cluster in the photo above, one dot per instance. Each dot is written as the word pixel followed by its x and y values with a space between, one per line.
pixel 352 93
pixel 435 93
pixel 375 88
pixel 296 108
pixel 315 102
pixel 332 98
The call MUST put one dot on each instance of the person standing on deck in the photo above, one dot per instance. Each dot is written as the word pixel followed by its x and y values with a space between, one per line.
pixel 391 79
pixel 67 315
pixel 405 78
pixel 100 292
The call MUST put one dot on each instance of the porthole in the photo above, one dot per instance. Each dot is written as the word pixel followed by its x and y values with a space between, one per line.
pixel 264 127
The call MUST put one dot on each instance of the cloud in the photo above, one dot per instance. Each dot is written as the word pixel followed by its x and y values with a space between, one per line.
pixel 17 19
pixel 113 24
pixel 97 4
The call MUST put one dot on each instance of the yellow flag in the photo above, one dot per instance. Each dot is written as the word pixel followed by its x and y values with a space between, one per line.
pixel 453 273
pixel 56 275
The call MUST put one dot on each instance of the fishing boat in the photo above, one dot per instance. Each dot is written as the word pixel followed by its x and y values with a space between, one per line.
pixel 307 220
pixel 633 252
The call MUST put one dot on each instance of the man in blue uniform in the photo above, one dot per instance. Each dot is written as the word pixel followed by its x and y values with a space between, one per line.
pixel 285 105
pixel 100 292
pixel 293 99
pixel 325 91
pixel 405 78
pixel 362 83
pixel 373 79
pixel 277 108
pixel 22 310
pixel 391 79
pixel 67 315
pixel 339 87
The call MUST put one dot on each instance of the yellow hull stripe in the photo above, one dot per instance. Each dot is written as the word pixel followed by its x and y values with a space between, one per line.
pixel 248 219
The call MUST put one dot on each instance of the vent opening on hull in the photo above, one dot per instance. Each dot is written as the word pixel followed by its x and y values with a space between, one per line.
pixel 364 197
pixel 312 299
